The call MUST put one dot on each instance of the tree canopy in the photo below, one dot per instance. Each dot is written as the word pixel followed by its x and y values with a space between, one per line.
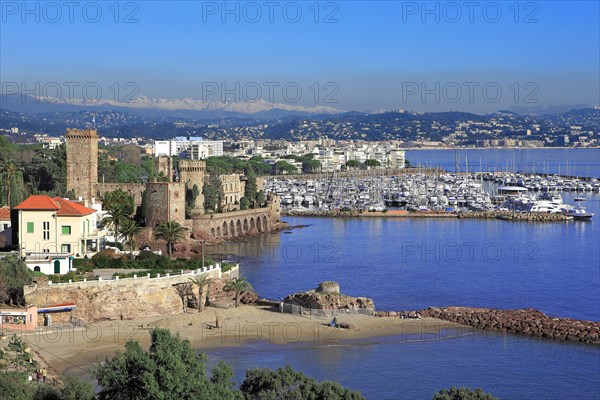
pixel 463 394
pixel 285 383
pixel 171 369
pixel 14 274
pixel 213 193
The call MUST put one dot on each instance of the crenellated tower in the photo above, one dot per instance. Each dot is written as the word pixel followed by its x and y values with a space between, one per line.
pixel 82 162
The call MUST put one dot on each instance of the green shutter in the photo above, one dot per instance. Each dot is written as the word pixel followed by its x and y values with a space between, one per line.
pixel 30 227
pixel 66 230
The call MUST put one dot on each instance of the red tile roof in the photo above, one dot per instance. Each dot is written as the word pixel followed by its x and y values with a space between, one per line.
pixel 70 208
pixel 4 213
pixel 38 202
pixel 62 206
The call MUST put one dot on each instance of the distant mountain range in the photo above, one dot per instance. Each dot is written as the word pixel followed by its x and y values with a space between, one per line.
pixel 161 119
pixel 156 107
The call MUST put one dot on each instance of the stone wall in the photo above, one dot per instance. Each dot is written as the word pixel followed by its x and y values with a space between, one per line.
pixel 135 190
pixel 125 298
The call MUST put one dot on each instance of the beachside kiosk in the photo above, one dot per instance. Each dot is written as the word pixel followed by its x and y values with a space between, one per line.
pixel 18 319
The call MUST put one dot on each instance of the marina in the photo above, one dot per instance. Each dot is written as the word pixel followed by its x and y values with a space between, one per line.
pixel 438 191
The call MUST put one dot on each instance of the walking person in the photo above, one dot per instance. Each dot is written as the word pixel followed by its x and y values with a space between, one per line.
pixel 217 322
pixel 44 374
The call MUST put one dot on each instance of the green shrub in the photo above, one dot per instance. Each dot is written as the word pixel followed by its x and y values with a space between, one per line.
pixel 147 255
pixel 226 266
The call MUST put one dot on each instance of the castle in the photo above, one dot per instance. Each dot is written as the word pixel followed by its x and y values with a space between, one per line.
pixel 165 201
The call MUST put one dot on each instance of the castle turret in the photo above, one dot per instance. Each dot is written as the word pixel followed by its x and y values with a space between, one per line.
pixel 191 173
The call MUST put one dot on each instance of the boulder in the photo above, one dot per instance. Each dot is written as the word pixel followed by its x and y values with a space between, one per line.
pixel 327 296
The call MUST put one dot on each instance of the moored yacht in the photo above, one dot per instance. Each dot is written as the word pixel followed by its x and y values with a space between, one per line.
pixel 579 213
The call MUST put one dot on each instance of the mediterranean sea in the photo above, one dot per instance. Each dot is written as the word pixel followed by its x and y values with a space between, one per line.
pixel 410 264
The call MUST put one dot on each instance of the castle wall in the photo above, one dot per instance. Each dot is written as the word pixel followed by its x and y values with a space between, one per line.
pixel 135 190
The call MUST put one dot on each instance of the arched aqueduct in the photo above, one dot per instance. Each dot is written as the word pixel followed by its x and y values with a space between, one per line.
pixel 234 224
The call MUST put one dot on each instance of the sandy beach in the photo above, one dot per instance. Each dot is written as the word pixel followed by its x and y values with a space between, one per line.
pixel 73 351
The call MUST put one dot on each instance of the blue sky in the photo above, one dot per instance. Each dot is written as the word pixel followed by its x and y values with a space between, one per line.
pixel 360 55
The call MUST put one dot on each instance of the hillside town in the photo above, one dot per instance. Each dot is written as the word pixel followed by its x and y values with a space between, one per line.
pixel 408 129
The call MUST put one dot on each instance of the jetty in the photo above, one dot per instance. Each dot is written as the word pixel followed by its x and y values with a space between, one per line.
pixel 527 321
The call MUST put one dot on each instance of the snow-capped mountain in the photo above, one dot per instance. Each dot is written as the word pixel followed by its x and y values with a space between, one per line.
pixel 148 106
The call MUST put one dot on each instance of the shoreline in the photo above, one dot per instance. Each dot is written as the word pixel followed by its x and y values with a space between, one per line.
pixel 73 351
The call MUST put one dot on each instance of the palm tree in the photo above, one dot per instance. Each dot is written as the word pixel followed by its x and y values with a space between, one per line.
pixel 9 173
pixel 237 285
pixel 184 290
pixel 129 229
pixel 117 216
pixel 201 281
pixel 170 231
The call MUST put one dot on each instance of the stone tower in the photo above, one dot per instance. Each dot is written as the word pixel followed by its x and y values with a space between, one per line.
pixel 191 172
pixel 166 202
pixel 164 164
pixel 82 162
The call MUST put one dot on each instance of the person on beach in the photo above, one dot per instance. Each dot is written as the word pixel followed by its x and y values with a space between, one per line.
pixel 44 374
pixel 217 322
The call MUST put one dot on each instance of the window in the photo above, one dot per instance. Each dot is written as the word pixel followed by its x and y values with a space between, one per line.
pixel 66 229
pixel 30 227
pixel 46 230
pixel 65 248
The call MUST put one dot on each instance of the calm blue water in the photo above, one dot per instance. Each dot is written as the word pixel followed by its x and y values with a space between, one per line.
pixel 412 264
pixel 407 264
pixel 574 162
pixel 388 368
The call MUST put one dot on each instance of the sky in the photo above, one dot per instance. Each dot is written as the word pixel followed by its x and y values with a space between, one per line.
pixel 476 56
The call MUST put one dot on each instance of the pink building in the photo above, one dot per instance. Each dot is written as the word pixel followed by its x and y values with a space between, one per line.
pixel 18 319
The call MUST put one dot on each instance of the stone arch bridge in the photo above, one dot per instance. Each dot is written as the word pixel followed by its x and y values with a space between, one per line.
pixel 233 224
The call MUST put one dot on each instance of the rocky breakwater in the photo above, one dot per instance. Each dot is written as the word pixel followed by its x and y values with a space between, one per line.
pixel 513 216
pixel 322 213
pixel 327 296
pixel 526 321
